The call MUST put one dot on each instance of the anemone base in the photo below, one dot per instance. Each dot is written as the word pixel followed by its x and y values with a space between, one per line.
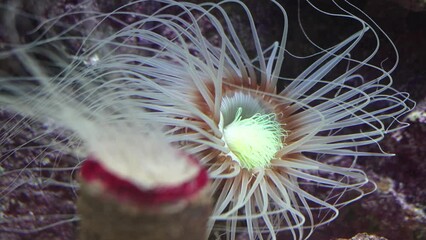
pixel 104 218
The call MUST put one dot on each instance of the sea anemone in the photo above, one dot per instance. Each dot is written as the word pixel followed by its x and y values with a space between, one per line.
pixel 266 140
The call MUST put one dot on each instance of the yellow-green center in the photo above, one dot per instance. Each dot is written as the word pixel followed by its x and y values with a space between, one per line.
pixel 253 141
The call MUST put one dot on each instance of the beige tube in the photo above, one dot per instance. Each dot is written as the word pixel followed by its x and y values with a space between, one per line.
pixel 149 215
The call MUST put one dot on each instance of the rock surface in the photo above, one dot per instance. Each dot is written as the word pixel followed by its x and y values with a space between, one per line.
pixel 363 236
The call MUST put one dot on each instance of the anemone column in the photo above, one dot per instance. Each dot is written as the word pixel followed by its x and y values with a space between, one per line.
pixel 112 208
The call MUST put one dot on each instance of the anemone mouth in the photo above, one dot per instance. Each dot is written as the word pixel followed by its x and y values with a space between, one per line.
pixel 250 130
pixel 250 105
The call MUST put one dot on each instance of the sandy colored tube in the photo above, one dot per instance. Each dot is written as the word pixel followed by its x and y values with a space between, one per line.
pixel 110 216
pixel 105 219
